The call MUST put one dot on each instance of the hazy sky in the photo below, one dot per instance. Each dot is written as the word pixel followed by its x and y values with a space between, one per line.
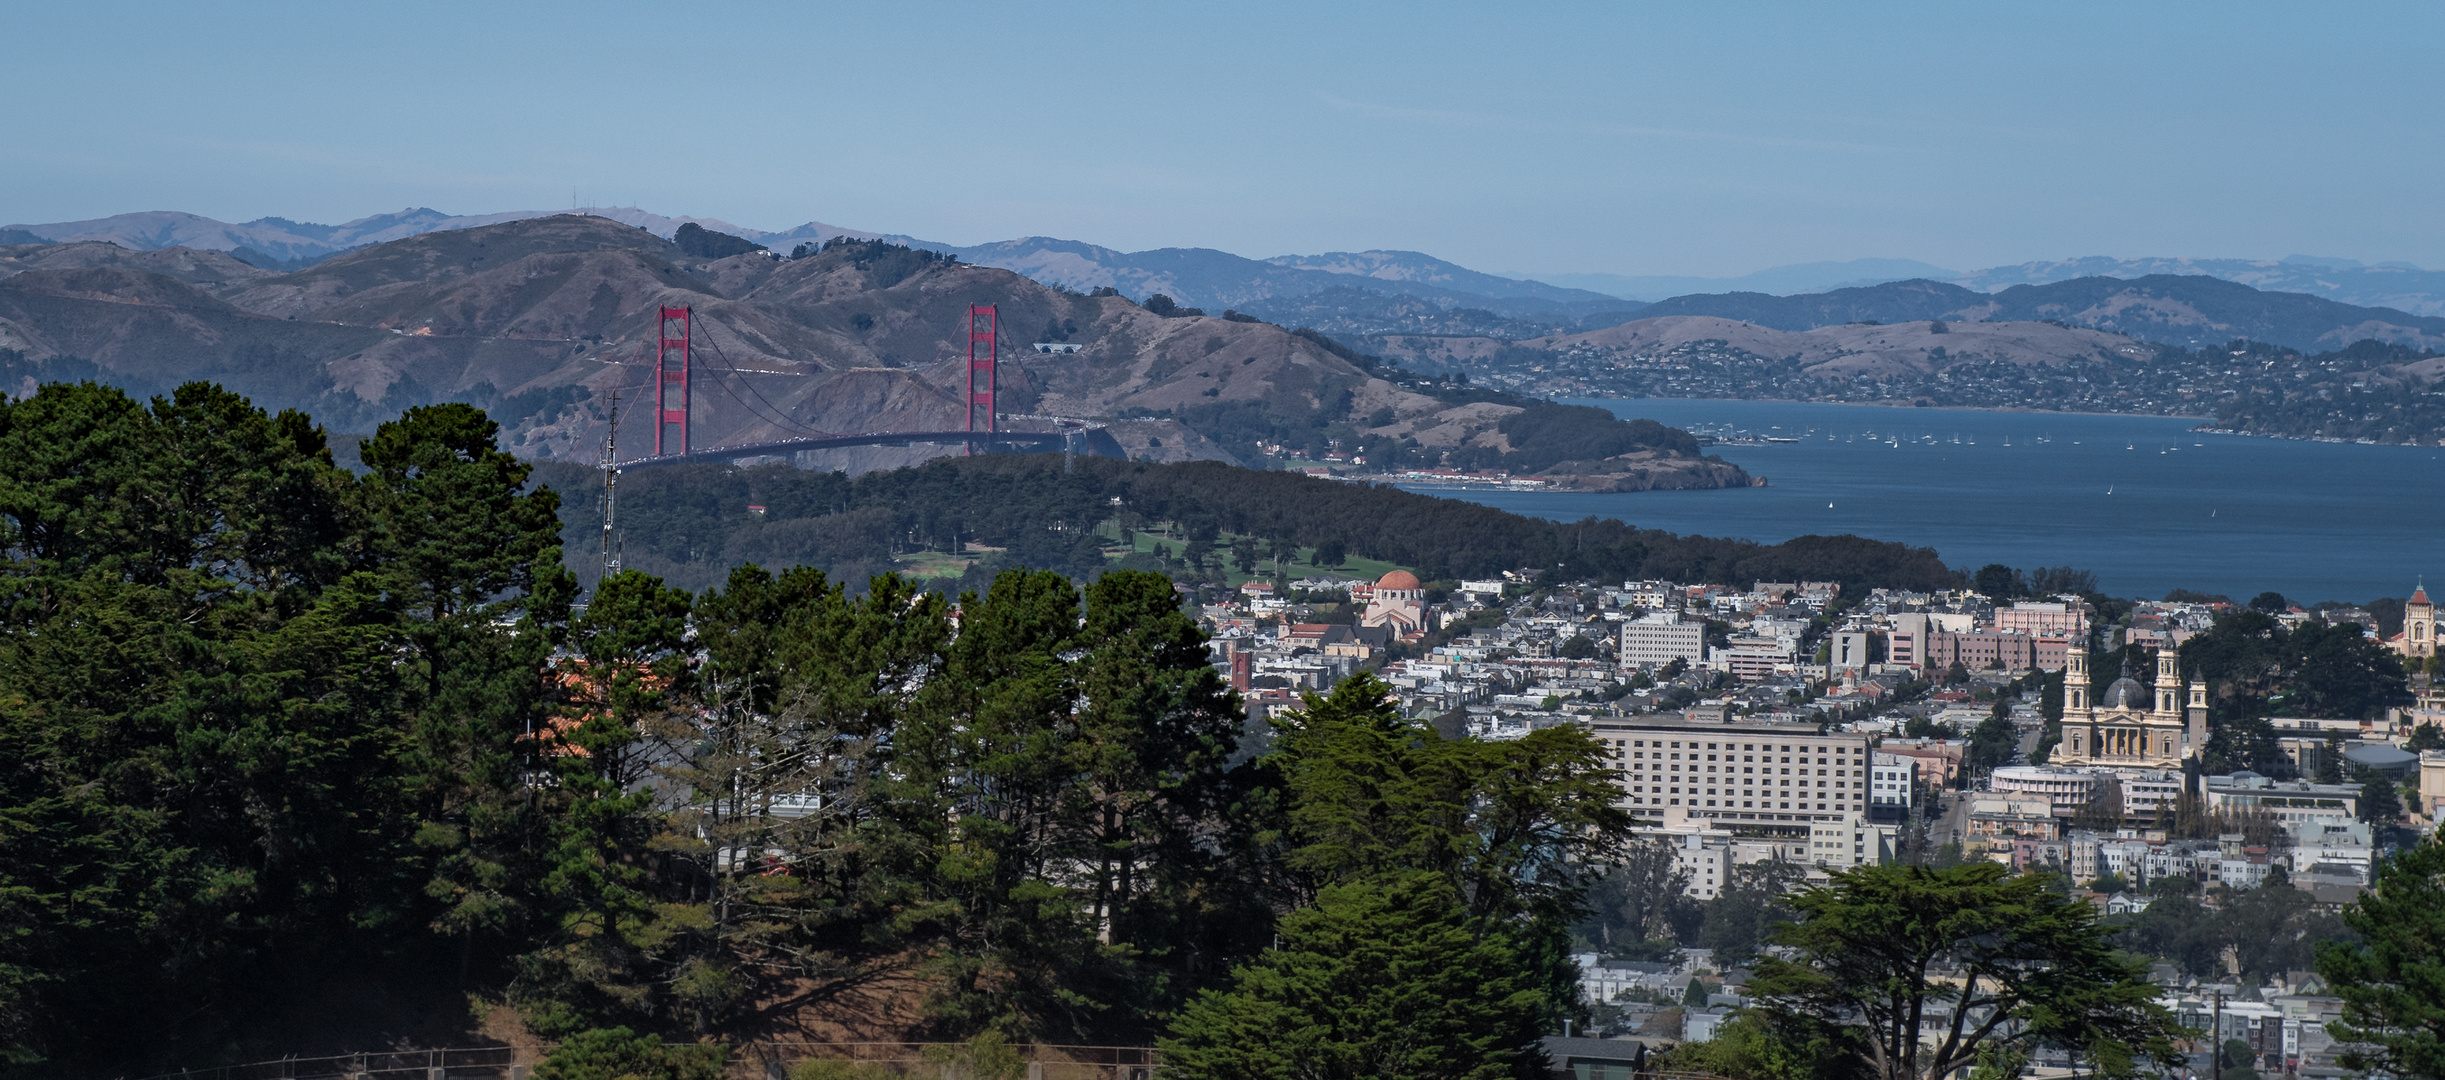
pixel 1637 139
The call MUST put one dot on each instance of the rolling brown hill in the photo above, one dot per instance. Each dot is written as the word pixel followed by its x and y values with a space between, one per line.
pixel 1859 349
pixel 542 321
pixel 207 269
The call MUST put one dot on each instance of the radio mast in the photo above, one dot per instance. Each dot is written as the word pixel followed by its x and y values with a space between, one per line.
pixel 611 489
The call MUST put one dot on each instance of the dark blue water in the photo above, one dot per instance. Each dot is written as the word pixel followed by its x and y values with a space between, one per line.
pixel 2146 503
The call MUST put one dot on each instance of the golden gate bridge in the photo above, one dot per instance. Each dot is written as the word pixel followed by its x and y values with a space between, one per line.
pixel 672 389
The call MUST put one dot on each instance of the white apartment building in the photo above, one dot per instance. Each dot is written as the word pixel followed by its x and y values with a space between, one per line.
pixel 1660 639
pixel 1893 781
pixel 2293 802
pixel 1850 842
pixel 1653 595
pixel 2241 873
pixel 2345 851
pixel 1848 650
pixel 1754 657
pixel 2150 796
pixel 1708 857
pixel 1603 980
pixel 1708 866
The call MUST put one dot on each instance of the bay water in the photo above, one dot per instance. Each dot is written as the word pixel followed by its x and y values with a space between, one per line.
pixel 2146 503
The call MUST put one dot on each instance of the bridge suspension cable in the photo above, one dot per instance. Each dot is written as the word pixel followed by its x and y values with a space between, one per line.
pixel 780 416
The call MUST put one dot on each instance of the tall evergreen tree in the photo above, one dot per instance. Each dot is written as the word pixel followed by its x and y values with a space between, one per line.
pixel 996 740
pixel 604 941
pixel 1157 728
pixel 1430 841
pixel 467 559
pixel 202 786
pixel 1386 976
pixel 2392 980
pixel 2032 966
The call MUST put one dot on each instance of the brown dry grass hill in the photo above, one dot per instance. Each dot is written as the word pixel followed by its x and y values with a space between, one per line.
pixel 542 320
pixel 1860 349
pixel 150 332
pixel 206 269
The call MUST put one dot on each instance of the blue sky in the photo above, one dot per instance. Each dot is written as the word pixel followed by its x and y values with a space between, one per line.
pixel 1615 138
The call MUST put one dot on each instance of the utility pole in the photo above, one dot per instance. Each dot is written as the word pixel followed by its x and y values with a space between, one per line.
pixel 611 492
pixel 2215 1040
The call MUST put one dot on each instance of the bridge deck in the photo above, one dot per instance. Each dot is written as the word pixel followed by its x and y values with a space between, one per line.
pixel 1042 440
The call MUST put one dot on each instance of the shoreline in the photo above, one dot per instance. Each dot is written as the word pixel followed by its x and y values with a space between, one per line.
pixel 2023 410
pixel 1930 408
pixel 2328 439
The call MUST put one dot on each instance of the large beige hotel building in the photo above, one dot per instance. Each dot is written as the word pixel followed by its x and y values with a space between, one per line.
pixel 1775 777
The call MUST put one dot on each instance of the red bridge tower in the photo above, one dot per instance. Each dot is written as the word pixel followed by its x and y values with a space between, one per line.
pixel 667 377
pixel 984 355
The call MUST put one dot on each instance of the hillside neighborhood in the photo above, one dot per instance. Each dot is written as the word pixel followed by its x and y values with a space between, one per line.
pixel 1876 728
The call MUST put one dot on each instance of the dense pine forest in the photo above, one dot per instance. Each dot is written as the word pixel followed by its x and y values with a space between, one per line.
pixel 273 731
pixel 690 523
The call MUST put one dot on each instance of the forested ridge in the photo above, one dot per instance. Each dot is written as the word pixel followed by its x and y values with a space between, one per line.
pixel 689 523
pixel 275 733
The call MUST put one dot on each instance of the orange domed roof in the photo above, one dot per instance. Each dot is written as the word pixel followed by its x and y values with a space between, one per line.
pixel 1399 579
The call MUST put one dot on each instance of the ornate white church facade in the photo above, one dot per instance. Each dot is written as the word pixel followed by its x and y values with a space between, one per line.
pixel 2124 728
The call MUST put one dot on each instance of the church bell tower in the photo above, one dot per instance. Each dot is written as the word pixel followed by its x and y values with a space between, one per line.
pixel 2075 680
pixel 2419 624
pixel 2168 671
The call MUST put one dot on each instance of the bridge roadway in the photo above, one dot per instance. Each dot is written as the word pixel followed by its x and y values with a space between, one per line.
pixel 1038 441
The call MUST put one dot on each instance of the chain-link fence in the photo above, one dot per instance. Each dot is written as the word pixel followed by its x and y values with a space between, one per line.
pixel 453 1063
pixel 748 1061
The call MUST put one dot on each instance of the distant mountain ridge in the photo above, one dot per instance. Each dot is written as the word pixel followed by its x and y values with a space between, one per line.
pixel 1205 277
pixel 2186 310
pixel 1779 280
pixel 1201 277
pixel 2400 286
pixel 1331 291
pixel 296 244
pixel 1417 268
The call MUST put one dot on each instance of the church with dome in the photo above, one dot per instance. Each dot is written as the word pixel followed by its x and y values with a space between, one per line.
pixel 1399 605
pixel 2127 727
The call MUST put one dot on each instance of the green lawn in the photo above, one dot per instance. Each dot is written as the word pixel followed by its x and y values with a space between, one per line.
pixel 933 564
pixel 1301 565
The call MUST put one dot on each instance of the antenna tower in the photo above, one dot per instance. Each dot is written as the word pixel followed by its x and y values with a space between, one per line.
pixel 611 489
pixel 984 333
pixel 666 377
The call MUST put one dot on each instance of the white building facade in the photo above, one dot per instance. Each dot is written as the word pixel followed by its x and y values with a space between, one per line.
pixel 1778 777
pixel 1660 639
pixel 1893 782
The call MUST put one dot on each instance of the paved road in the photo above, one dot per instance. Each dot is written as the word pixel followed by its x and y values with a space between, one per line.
pixel 1953 825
